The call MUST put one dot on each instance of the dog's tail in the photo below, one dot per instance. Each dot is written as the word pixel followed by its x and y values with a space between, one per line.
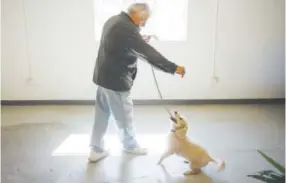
pixel 221 165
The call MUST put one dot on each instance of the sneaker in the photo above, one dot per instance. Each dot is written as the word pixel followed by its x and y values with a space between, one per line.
pixel 96 156
pixel 136 151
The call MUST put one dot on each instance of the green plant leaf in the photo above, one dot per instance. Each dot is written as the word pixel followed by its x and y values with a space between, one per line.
pixel 270 173
pixel 266 172
pixel 262 178
pixel 278 177
pixel 273 162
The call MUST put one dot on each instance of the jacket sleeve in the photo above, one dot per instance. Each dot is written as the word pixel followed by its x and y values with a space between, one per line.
pixel 136 44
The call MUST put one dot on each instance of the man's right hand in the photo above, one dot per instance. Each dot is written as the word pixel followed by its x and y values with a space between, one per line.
pixel 181 71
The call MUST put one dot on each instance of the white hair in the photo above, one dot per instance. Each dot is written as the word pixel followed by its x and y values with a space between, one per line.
pixel 142 7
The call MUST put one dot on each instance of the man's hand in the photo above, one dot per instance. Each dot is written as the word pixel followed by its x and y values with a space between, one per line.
pixel 146 38
pixel 181 71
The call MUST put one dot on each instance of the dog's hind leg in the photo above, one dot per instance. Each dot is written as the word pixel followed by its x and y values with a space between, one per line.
pixel 193 172
pixel 195 169
pixel 221 165
pixel 164 156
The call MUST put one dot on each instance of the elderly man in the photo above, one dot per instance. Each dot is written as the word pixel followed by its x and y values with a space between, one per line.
pixel 114 73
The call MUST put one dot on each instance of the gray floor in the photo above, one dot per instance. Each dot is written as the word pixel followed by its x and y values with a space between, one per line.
pixel 50 144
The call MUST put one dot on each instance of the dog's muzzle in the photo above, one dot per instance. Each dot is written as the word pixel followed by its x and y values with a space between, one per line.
pixel 173 119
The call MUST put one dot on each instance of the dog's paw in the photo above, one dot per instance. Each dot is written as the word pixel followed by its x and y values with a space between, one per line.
pixel 192 172
pixel 188 173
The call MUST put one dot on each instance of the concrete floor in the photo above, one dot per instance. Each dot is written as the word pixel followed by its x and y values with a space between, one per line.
pixel 50 144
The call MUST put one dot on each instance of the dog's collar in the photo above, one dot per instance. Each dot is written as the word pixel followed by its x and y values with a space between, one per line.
pixel 172 130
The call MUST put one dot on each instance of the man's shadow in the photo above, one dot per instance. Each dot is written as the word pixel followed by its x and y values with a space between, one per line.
pixel 97 172
pixel 126 168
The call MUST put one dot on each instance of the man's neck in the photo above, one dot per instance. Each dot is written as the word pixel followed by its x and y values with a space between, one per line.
pixel 131 18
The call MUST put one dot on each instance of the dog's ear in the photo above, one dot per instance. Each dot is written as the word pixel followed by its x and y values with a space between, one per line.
pixel 183 120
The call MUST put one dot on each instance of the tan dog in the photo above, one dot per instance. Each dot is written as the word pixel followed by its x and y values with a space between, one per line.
pixel 178 143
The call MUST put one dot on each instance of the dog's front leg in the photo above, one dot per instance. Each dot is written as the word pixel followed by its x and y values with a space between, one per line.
pixel 164 156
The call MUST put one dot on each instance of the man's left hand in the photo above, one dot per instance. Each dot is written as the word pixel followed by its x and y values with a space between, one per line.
pixel 181 71
pixel 146 38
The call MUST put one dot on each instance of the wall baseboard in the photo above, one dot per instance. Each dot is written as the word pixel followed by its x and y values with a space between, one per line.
pixel 145 102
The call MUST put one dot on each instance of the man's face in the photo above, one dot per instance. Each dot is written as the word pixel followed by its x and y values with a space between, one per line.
pixel 143 20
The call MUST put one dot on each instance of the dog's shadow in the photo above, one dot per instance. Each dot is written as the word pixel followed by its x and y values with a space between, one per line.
pixel 168 178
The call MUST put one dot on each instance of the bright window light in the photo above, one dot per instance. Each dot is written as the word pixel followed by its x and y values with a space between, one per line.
pixel 78 144
pixel 168 20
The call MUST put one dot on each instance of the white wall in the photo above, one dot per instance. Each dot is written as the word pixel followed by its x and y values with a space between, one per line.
pixel 62 49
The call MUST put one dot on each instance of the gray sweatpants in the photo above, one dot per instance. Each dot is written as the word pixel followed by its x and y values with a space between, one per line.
pixel 118 104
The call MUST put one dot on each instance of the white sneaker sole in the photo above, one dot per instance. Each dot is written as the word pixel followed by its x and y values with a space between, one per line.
pixel 97 157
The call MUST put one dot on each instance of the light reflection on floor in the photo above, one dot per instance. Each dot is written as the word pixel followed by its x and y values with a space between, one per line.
pixel 78 144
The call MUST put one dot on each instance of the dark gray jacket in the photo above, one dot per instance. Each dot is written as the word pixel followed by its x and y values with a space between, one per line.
pixel 120 46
